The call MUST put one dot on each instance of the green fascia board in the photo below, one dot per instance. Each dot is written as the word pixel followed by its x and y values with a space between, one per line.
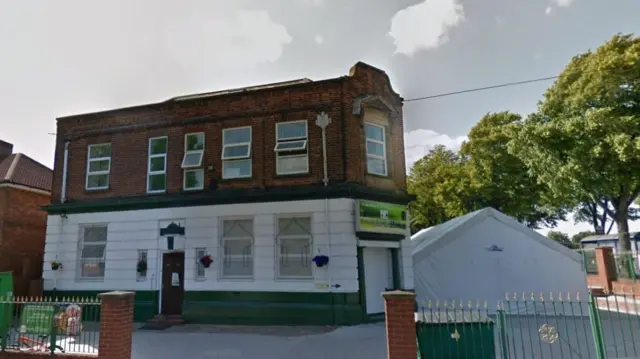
pixel 231 196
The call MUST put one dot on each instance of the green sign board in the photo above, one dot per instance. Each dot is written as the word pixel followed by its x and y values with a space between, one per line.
pixel 378 217
pixel 37 319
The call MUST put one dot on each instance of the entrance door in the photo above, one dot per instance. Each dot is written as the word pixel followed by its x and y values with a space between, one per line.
pixel 172 283
pixel 378 276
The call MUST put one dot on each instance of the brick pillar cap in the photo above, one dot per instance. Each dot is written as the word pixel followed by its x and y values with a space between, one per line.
pixel 398 293
pixel 116 294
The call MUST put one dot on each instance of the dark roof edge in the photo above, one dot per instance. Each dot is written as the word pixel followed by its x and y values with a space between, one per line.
pixel 171 100
pixel 10 182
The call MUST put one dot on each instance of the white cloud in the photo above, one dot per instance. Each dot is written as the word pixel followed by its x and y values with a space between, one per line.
pixel 424 26
pixel 557 3
pixel 417 143
pixel 562 3
pixel 318 39
pixel 248 38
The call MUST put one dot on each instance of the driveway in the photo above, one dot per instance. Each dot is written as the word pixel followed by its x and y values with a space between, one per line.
pixel 201 342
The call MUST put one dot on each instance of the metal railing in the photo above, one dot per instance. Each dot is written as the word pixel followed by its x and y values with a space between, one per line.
pixel 626 265
pixel 531 326
pixel 50 325
pixel 589 259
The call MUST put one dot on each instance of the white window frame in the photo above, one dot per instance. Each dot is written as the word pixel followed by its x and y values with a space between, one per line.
pixel 200 270
pixel 231 159
pixel 184 180
pixel 223 256
pixel 309 236
pixel 142 253
pixel 97 173
pixel 292 139
pixel 384 145
pixel 81 245
pixel 190 152
pixel 149 172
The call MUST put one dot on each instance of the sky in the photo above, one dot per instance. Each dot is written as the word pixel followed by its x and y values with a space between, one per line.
pixel 67 57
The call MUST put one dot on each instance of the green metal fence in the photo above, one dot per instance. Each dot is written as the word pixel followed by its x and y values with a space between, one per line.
pixel 531 326
pixel 52 325
pixel 626 265
pixel 589 259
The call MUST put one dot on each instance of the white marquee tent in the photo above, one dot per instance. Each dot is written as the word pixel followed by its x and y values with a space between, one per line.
pixel 486 254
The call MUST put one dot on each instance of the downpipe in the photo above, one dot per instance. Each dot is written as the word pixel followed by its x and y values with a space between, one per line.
pixel 323 120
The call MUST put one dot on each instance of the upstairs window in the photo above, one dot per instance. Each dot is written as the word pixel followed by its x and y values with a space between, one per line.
pixel 98 166
pixel 157 167
pixel 236 152
pixel 93 246
pixel 376 149
pixel 192 161
pixel 291 149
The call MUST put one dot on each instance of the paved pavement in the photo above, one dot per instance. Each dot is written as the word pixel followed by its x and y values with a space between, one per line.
pixel 362 341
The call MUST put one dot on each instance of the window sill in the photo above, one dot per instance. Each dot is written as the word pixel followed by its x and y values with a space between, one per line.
pixel 293 175
pixel 89 280
pixel 237 179
pixel 96 190
pixel 378 176
pixel 300 279
pixel 200 279
pixel 240 279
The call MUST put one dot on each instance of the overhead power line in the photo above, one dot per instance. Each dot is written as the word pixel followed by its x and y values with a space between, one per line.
pixel 508 84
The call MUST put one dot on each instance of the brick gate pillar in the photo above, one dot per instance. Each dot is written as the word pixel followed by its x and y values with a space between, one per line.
pixel 116 325
pixel 606 267
pixel 399 307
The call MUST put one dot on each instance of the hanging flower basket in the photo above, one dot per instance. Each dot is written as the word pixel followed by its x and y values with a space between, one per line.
pixel 141 267
pixel 206 260
pixel 55 265
pixel 320 260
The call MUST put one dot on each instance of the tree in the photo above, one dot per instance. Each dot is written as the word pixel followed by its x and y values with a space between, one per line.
pixel 584 139
pixel 500 179
pixel 576 238
pixel 561 238
pixel 593 212
pixel 441 186
pixel 558 236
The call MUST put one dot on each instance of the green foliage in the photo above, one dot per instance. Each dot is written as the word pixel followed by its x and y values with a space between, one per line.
pixel 500 179
pixel 576 238
pixel 584 140
pixel 483 174
pixel 558 236
pixel 442 188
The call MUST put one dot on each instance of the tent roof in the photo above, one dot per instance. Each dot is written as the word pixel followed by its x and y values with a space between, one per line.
pixel 430 239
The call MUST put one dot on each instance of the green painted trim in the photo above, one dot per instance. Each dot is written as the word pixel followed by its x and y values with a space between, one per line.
pixel 395 268
pixel 385 237
pixel 272 308
pixel 145 306
pixel 231 196
pixel 362 286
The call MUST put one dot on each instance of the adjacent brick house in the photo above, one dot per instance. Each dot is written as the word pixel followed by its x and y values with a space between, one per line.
pixel 242 175
pixel 25 186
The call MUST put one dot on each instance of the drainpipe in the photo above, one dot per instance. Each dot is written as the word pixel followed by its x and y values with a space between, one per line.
pixel 65 163
pixel 323 121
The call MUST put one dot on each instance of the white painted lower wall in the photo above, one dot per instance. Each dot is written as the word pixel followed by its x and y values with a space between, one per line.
pixel 130 231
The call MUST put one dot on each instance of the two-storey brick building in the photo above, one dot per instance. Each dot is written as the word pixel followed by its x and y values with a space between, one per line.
pixel 262 179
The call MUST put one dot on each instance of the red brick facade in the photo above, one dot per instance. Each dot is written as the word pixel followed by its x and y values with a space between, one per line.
pixel 116 325
pixel 129 129
pixel 399 310
pixel 23 226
